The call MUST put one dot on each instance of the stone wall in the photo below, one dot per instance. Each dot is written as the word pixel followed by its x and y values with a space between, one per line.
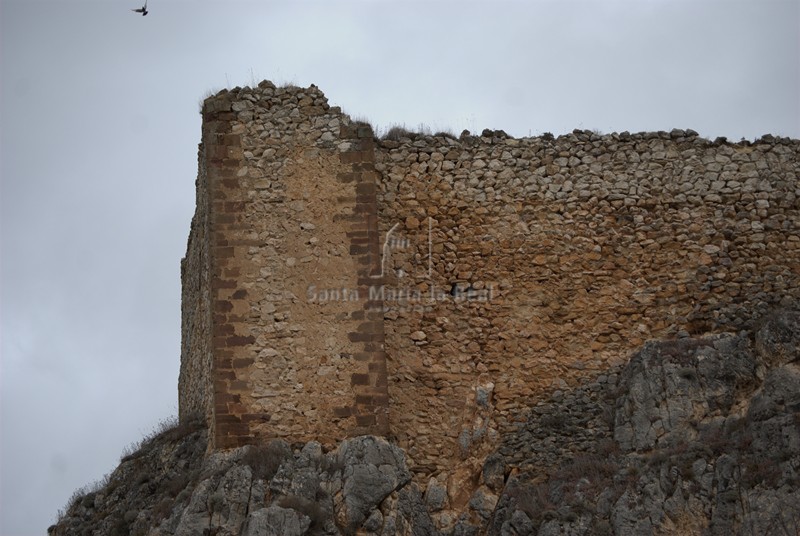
pixel 540 262
pixel 195 384
pixel 474 276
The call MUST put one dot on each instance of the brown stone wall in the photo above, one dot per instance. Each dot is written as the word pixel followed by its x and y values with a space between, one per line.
pixel 433 288
pixel 297 341
pixel 552 259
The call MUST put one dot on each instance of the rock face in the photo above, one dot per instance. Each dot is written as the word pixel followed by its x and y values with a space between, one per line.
pixel 704 438
pixel 692 436
pixel 170 487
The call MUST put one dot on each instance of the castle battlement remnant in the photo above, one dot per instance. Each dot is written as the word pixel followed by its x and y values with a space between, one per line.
pixel 432 289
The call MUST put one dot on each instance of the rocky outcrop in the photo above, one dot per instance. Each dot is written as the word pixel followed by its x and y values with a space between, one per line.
pixel 692 436
pixel 706 440
pixel 170 488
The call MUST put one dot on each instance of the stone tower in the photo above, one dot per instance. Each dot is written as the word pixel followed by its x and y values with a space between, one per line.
pixel 286 204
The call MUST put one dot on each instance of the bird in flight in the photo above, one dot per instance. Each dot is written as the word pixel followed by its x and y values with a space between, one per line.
pixel 142 10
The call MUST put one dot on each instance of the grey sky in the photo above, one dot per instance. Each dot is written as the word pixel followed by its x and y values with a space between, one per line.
pixel 98 142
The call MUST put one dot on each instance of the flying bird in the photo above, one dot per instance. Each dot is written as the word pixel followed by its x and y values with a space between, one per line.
pixel 142 10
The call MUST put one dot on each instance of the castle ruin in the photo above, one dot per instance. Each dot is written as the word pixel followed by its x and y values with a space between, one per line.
pixel 431 289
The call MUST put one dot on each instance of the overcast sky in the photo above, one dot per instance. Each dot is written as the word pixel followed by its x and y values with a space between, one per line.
pixel 99 133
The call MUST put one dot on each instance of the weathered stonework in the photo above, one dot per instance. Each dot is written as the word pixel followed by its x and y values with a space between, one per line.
pixel 431 289
pixel 590 244
pixel 195 385
pixel 291 207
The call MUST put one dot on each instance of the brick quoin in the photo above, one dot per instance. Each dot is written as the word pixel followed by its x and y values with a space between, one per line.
pixel 370 411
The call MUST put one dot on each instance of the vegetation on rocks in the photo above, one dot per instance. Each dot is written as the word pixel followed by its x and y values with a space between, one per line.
pixel 692 436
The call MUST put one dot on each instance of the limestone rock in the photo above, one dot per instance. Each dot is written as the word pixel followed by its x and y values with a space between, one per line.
pixel 276 521
pixel 778 340
pixel 707 442
pixel 670 384
pixel 493 473
pixel 373 468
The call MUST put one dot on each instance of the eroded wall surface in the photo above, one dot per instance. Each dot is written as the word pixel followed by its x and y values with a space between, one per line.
pixel 195 384
pixel 432 289
pixel 543 261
